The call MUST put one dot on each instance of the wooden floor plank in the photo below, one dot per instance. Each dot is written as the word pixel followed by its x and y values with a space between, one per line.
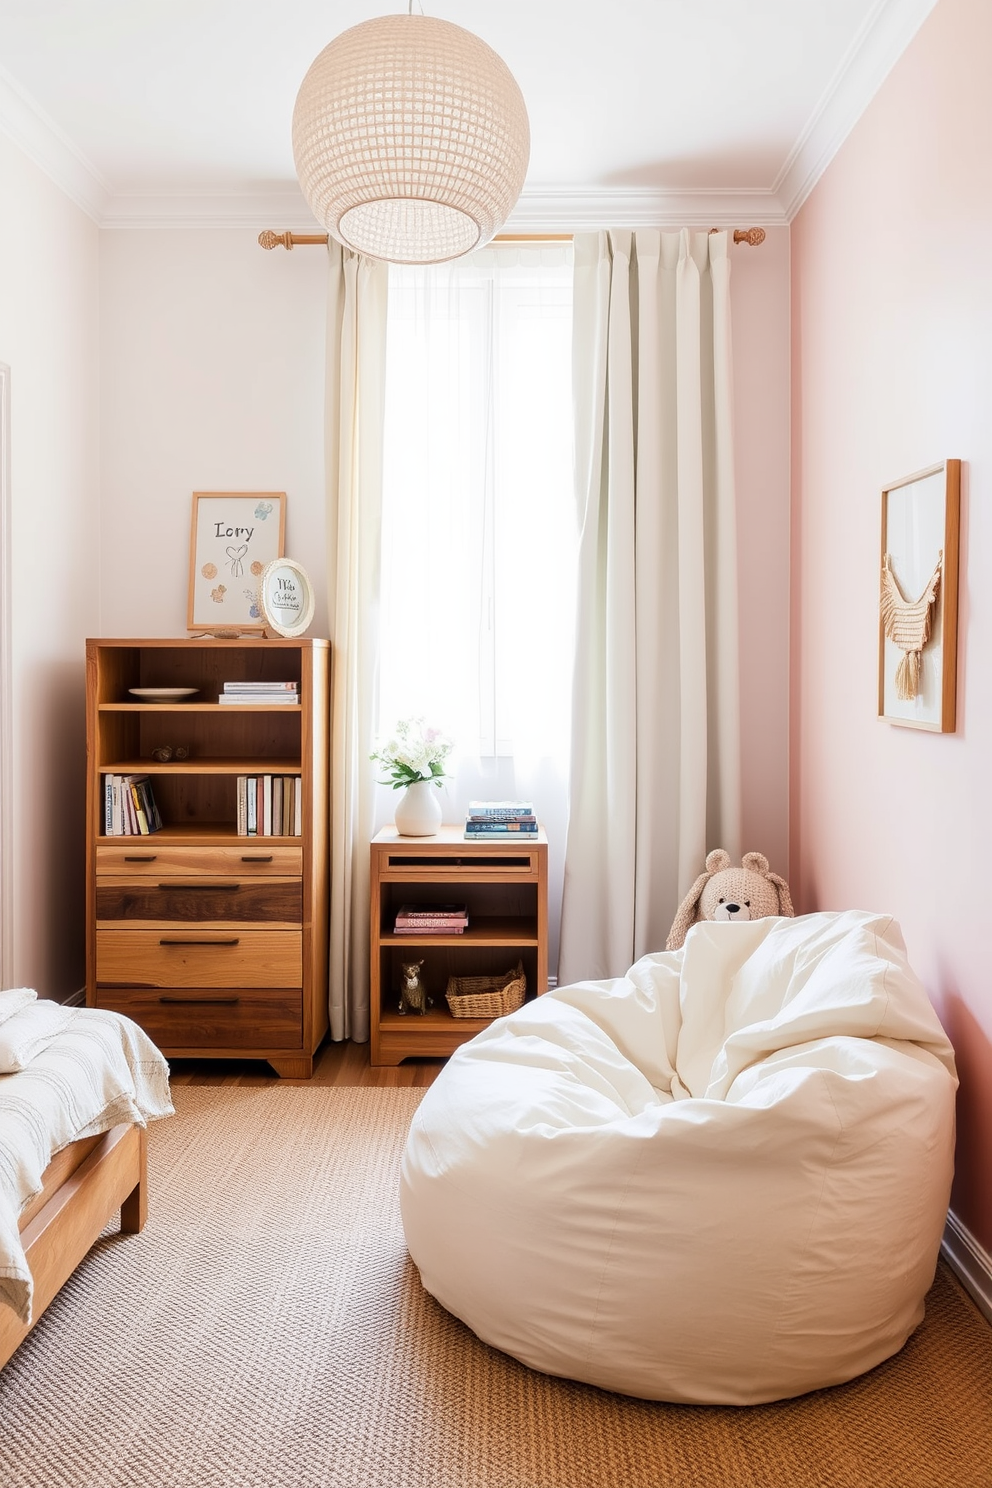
pixel 343 1063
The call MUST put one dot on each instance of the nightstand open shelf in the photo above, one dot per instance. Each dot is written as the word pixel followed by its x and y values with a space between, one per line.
pixel 505 887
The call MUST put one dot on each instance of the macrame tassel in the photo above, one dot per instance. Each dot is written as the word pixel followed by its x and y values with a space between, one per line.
pixel 908 677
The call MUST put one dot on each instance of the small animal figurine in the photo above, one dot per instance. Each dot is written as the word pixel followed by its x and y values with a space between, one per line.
pixel 413 989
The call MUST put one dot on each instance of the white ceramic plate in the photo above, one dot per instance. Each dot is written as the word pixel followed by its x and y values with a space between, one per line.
pixel 162 694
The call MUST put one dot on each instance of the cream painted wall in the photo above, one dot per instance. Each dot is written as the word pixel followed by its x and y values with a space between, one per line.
pixel 892 370
pixel 212 375
pixel 49 336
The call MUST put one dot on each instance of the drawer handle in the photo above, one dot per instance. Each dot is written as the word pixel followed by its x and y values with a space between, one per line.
pixel 144 858
pixel 266 858
pixel 202 1001
pixel 228 888
pixel 235 941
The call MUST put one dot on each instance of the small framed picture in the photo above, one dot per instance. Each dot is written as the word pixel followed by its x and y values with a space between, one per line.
pixel 918 602
pixel 234 535
pixel 286 597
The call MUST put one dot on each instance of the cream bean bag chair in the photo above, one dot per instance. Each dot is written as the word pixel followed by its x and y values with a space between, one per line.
pixel 720 1178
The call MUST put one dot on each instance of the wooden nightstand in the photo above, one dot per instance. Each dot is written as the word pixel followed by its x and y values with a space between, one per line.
pixel 505 886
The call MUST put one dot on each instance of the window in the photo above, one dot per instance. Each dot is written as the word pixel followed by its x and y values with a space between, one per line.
pixel 479 517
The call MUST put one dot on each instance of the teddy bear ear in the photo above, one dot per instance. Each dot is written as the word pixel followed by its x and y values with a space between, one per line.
pixel 755 862
pixel 718 860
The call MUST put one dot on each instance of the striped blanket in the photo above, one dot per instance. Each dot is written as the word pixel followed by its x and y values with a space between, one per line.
pixel 90 1071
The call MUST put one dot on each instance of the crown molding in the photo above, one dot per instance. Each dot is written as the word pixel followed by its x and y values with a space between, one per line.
pixel 883 37
pixel 588 209
pixel 280 208
pixel 544 209
pixel 43 142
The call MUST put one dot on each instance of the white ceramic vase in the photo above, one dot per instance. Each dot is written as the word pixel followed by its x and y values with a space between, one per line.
pixel 418 811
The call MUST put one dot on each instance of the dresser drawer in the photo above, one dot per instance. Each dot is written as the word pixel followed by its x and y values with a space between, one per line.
pixel 198 901
pixel 199 958
pixel 206 1018
pixel 250 857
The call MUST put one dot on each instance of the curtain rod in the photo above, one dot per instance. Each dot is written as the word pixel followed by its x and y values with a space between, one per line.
pixel 268 239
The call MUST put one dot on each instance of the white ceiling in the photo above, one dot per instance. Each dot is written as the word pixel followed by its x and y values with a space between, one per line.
pixel 178 111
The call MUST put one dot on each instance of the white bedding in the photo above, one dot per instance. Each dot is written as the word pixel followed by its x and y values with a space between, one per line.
pixel 99 1070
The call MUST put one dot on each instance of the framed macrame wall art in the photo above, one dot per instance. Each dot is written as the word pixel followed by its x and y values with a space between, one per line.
pixel 918 601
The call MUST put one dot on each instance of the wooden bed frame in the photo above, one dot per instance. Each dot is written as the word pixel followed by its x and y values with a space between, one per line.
pixel 84 1186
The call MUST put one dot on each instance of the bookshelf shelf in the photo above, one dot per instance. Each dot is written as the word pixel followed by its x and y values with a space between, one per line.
pixel 255 984
pixel 504 885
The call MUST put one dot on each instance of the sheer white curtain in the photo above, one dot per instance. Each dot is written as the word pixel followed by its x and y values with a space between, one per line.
pixel 656 720
pixel 354 393
pixel 479 530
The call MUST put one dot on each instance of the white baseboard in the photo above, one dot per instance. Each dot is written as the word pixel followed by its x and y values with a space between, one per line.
pixel 969 1260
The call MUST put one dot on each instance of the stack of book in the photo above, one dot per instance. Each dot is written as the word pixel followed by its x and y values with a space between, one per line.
pixel 260 692
pixel 270 806
pixel 129 808
pixel 431 919
pixel 500 819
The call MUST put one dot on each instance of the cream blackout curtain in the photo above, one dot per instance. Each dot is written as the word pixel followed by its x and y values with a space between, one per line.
pixel 655 780
pixel 355 390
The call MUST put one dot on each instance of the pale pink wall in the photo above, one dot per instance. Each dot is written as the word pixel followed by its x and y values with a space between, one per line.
pixel 759 292
pixel 892 371
pixel 49 337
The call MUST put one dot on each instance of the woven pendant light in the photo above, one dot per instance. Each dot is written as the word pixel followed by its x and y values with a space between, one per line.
pixel 411 139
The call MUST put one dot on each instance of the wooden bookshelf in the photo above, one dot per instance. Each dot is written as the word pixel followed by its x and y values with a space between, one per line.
pixel 215 943
pixel 505 886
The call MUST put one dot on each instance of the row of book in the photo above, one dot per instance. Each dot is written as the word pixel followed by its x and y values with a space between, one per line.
pixel 270 806
pixel 431 919
pixel 500 820
pixel 260 692
pixel 129 808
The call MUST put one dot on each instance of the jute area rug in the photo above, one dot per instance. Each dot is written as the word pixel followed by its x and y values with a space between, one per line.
pixel 268 1329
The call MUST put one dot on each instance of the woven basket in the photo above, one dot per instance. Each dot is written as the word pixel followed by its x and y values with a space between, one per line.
pixel 487 996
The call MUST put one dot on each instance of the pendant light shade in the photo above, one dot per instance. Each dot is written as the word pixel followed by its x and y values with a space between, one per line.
pixel 411 139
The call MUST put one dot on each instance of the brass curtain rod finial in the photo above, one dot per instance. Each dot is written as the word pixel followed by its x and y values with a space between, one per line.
pixel 270 239
pixel 753 236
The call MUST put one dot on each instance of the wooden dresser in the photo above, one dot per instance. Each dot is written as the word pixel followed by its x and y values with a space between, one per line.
pixel 215 942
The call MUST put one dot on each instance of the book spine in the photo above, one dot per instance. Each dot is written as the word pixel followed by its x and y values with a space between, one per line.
pixel 432 921
pixel 435 930
pixel 139 809
pixel 261 686
pixel 494 810
pixel 277 805
pixel 242 806
pixel 530 835
pixel 128 814
pixel 298 805
pixel 251 797
pixel 498 829
pixel 259 805
pixel 146 797
pixel 108 805
pixel 266 805
pixel 268 698
pixel 156 816
pixel 500 821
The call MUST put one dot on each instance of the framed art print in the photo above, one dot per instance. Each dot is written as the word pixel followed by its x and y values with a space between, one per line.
pixel 234 536
pixel 918 599
pixel 285 597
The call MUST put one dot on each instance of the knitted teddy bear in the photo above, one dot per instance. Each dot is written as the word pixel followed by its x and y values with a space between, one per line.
pixel 724 893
